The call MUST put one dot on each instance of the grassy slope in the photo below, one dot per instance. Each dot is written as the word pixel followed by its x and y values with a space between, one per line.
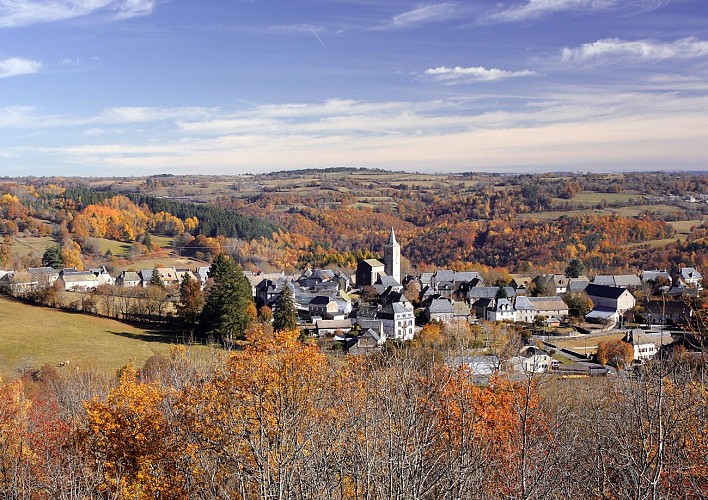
pixel 37 335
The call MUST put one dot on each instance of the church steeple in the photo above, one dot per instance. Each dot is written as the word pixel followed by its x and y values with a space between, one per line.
pixel 392 257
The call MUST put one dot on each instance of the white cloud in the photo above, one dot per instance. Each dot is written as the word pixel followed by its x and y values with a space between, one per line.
pixel 565 128
pixel 29 12
pixel 616 50
pixel 294 29
pixel 426 14
pixel 472 74
pixel 533 9
pixel 15 66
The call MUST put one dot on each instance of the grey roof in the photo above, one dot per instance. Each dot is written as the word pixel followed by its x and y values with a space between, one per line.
pixel 388 281
pixel 523 303
pixel 503 302
pixel 467 276
pixel 145 274
pixel 488 292
pixel 443 275
pixel 460 308
pixel 79 276
pixel 42 271
pixel 425 278
pixel 625 280
pixel 601 313
pixel 553 303
pixel 321 300
pixel 604 279
pixel 654 274
pixel 129 276
pixel 440 306
pixel 390 310
pixel 373 263
pixel 690 273
pixel 577 284
pixel 392 238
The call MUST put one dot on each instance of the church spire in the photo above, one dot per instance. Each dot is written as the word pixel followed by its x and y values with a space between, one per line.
pixel 392 238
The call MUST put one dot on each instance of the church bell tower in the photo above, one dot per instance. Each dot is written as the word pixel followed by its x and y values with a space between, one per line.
pixel 392 257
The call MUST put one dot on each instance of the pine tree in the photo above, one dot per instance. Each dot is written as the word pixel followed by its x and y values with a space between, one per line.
pixel 155 279
pixel 52 257
pixel 225 310
pixel 285 316
pixel 147 241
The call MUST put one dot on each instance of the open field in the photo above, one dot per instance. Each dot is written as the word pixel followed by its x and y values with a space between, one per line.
pixel 36 246
pixel 586 344
pixel 33 335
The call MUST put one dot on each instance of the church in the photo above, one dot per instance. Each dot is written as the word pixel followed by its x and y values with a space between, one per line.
pixel 369 271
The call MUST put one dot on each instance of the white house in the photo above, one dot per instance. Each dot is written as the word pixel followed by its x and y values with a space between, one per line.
pixel 79 280
pixel 398 321
pixel 502 310
pixel 531 360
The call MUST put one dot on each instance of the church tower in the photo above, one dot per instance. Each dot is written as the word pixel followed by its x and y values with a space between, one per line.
pixel 392 258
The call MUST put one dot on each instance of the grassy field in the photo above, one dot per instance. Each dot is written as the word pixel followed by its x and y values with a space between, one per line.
pixel 586 344
pixel 33 335
pixel 35 246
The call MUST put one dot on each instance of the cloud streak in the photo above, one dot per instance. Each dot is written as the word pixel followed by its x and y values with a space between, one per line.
pixel 472 74
pixel 14 13
pixel 426 14
pixel 534 9
pixel 16 66
pixel 618 50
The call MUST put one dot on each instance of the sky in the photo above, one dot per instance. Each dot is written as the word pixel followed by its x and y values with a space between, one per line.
pixel 139 87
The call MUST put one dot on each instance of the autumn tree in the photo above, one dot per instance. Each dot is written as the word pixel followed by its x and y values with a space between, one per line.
pixel 615 353
pixel 225 312
pixel 285 316
pixel 579 304
pixel 191 302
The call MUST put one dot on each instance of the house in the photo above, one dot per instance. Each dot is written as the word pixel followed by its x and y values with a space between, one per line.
pixel 368 342
pixel 645 346
pixel 520 283
pixel 502 310
pixel 43 276
pixel 531 359
pixel 398 321
pixel 128 279
pixel 611 297
pixel 368 272
pixel 168 276
pixel 482 367
pixel 557 283
pixel 79 280
pixel 528 308
pixel 691 277
pixel 461 311
pixel 439 310
pixel 329 327
pixel 670 312
pixel 104 277
pixel 145 277
pixel 323 306
pixel 655 275
pixel 181 273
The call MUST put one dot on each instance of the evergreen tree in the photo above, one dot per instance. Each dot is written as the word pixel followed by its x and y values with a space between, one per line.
pixel 575 268
pixel 147 241
pixel 52 257
pixel 155 279
pixel 285 316
pixel 225 310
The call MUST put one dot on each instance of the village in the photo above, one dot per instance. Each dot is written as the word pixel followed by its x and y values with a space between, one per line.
pixel 360 313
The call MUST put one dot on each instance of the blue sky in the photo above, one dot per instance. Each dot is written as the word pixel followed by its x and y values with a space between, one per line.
pixel 133 87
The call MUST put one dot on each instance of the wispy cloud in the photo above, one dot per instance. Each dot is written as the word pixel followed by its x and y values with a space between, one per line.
pixel 616 50
pixel 15 66
pixel 533 9
pixel 29 12
pixel 425 14
pixel 472 74
pixel 294 29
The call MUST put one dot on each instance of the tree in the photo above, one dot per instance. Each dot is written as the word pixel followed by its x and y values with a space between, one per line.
pixel 501 292
pixel 155 279
pixel 147 241
pixel 285 316
pixel 191 302
pixel 52 257
pixel 615 353
pixel 578 303
pixel 225 310
pixel 575 268
pixel 540 287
